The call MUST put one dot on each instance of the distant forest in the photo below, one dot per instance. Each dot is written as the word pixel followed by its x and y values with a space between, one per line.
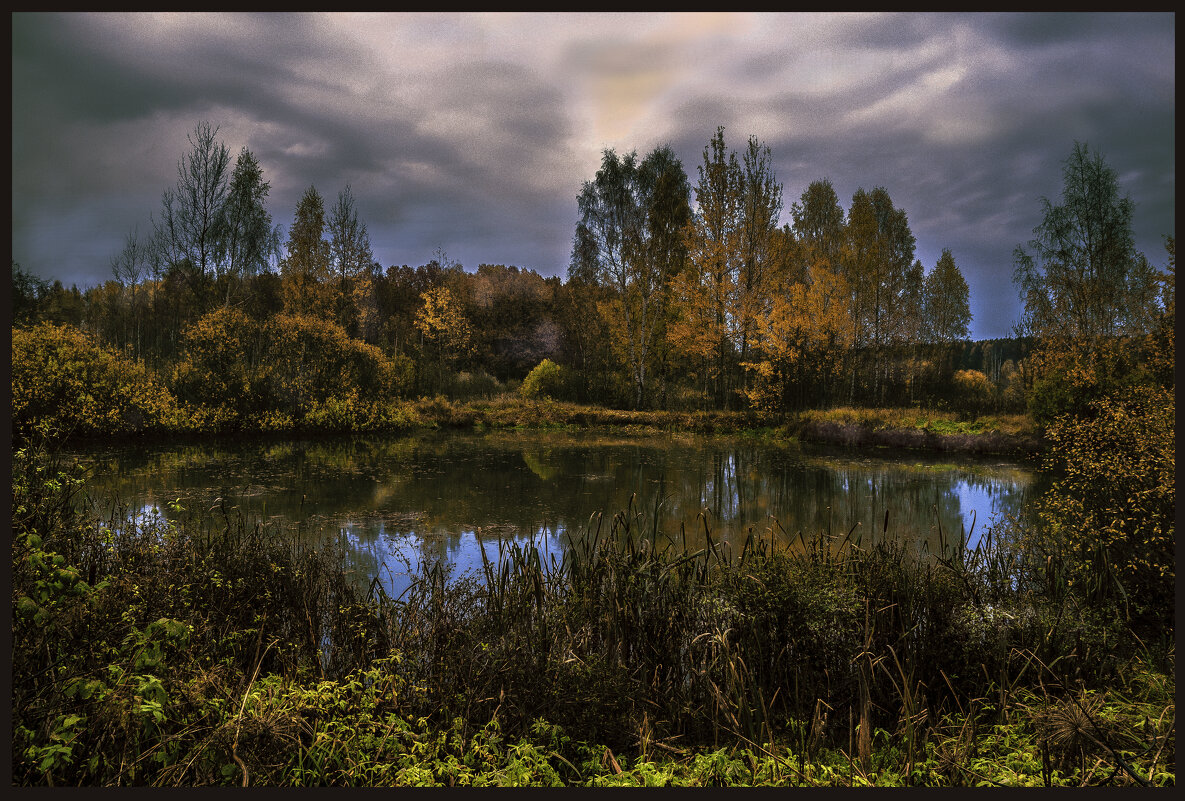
pixel 678 296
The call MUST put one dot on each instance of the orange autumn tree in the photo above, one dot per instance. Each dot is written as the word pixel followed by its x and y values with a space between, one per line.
pixel 703 331
pixel 734 256
pixel 800 340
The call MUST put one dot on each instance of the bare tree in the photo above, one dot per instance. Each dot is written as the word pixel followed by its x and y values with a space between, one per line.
pixel 350 262
pixel 130 266
pixel 192 214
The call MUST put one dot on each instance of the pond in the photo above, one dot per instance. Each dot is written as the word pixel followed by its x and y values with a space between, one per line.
pixel 398 500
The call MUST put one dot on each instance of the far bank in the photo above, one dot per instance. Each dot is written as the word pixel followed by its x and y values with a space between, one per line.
pixel 917 429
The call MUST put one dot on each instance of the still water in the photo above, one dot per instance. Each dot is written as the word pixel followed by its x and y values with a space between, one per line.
pixel 398 500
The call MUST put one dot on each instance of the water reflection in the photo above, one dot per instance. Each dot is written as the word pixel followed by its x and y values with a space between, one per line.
pixel 397 501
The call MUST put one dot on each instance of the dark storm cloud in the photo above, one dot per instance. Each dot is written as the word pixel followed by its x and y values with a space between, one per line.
pixel 100 76
pixel 969 162
pixel 474 133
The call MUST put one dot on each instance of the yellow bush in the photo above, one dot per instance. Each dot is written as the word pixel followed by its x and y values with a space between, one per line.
pixel 313 367
pixel 1114 509
pixel 216 370
pixel 975 393
pixel 61 376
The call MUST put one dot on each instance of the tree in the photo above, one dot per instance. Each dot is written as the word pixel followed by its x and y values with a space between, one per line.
pixel 760 203
pixel 546 380
pixel 130 265
pixel 307 263
pixel 443 328
pixel 666 198
pixel 248 242
pixel 27 292
pixel 705 289
pixel 1161 340
pixel 819 222
pixel 974 392
pixel 877 254
pixel 221 354
pixel 1086 292
pixel 1082 276
pixel 800 340
pixel 191 224
pixel 629 240
pixel 912 329
pixel 349 243
pixel 947 302
pixel 316 373
pixel 350 264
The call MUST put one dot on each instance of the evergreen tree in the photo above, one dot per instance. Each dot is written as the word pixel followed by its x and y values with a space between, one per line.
pixel 947 302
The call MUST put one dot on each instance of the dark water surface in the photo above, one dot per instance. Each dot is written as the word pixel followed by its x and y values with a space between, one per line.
pixel 397 500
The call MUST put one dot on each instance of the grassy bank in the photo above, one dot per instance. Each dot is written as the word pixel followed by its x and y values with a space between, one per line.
pixel 925 430
pixel 200 653
pixel 895 428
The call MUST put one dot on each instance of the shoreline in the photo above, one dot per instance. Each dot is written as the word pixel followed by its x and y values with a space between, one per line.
pixel 907 429
pixel 994 443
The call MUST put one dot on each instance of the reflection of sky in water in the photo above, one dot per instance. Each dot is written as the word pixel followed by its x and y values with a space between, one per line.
pixel 982 506
pixel 398 557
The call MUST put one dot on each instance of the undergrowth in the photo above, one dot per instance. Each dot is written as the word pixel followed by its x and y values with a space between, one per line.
pixel 224 652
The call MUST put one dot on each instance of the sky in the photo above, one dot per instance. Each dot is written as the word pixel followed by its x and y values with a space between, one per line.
pixel 472 134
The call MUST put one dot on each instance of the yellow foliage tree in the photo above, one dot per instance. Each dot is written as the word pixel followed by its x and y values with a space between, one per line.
pixel 801 338
pixel 218 366
pixel 975 392
pixel 311 363
pixel 445 334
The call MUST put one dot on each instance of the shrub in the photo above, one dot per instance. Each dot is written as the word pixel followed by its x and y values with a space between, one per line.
pixel 476 384
pixel 1113 511
pixel 309 362
pixel 216 370
pixel 65 379
pixel 1073 376
pixel 547 380
pixel 974 392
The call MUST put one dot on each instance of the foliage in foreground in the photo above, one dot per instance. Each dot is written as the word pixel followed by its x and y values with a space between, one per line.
pixel 149 652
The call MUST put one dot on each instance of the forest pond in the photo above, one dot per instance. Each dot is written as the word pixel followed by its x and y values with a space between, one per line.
pixel 396 501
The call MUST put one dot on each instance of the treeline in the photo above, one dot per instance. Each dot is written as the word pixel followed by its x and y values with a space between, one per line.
pixel 668 304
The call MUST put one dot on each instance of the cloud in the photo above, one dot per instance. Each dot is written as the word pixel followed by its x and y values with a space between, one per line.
pixel 474 132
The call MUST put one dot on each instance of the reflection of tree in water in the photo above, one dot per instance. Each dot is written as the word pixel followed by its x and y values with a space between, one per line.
pixel 441 491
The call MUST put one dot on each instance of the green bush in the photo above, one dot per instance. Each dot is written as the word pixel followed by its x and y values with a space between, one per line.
pixel 546 380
